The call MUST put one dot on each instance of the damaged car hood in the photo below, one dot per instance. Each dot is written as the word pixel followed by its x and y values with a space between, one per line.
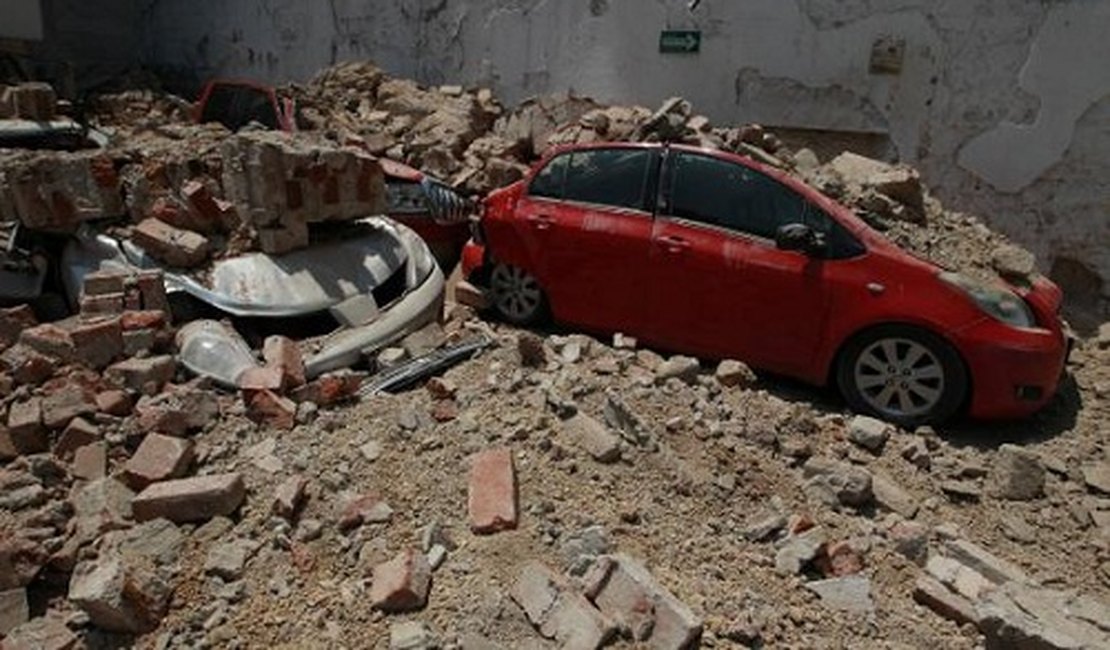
pixel 255 284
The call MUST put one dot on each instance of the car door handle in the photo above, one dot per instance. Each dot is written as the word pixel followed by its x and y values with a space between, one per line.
pixel 674 244
pixel 540 221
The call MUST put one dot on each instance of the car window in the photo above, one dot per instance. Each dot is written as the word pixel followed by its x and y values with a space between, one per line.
pixel 840 243
pixel 726 194
pixel 616 177
pixel 548 182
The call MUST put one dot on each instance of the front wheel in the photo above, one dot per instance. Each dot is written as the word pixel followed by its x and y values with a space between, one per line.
pixel 517 295
pixel 904 375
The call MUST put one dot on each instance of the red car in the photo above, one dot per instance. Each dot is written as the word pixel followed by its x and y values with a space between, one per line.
pixel 430 207
pixel 717 255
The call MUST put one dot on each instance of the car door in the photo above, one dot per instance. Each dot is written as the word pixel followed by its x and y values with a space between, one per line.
pixel 725 289
pixel 588 215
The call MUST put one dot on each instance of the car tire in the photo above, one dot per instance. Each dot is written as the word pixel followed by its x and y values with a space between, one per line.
pixel 902 374
pixel 516 295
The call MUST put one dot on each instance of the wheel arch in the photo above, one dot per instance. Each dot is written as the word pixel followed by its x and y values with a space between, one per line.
pixel 846 342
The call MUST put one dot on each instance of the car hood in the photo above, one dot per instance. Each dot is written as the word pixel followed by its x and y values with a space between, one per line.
pixel 302 282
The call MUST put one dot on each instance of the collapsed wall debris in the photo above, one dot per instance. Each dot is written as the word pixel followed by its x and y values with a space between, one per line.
pixel 114 453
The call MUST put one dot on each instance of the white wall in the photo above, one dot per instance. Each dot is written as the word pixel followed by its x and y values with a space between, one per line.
pixel 1002 103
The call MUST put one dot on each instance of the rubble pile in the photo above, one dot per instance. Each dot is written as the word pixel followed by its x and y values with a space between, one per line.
pixel 189 193
pixel 28 101
pixel 555 491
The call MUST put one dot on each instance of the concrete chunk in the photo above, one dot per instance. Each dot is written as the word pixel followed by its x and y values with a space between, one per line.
pixel 557 611
pixel 626 592
pixel 401 584
pixel 594 437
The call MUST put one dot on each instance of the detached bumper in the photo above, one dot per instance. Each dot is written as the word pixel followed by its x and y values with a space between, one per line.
pixel 1014 372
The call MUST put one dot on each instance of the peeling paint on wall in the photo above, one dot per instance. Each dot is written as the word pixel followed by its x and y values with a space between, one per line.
pixel 1067 70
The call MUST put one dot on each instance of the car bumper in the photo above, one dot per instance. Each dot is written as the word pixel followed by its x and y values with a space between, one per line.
pixel 1014 372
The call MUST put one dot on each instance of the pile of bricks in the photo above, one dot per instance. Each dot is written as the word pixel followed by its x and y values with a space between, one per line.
pixel 28 101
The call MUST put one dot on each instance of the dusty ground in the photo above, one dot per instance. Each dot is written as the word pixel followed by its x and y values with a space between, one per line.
pixel 720 464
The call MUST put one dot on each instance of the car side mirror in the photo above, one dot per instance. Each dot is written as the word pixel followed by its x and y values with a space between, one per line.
pixel 799 237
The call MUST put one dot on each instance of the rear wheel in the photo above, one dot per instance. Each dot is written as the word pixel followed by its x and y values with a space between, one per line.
pixel 517 295
pixel 902 374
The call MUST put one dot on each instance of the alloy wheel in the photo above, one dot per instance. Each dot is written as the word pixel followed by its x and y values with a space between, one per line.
pixel 899 377
pixel 516 293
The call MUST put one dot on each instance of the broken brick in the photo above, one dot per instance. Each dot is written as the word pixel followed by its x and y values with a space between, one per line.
pixel 25 426
pixel 289 496
pixel 190 499
pixel 64 402
pixel 268 408
pixel 205 213
pixel 106 304
pixel 142 319
pixel 27 366
pixel 177 411
pixel 261 378
pixel 401 584
pixel 114 402
pixel 283 354
pixel 159 458
pixel 91 461
pixel 78 433
pixel 329 389
pixel 98 342
pixel 14 320
pixel 99 283
pixel 492 496
pixel 174 246
pixel 152 291
pixel 146 375
pixel 365 509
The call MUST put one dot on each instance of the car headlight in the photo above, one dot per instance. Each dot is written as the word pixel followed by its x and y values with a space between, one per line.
pixel 998 302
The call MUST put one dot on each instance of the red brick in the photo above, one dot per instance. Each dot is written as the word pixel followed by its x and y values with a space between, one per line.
pixel 440 388
pixel 174 246
pixel 99 283
pixel 65 400
pixel 269 408
pixel 289 496
pixel 190 499
pixel 14 320
pixel 114 402
pixel 105 304
pixel 91 461
pixel 838 560
pixel 138 342
pixel 263 378
pixel 329 389
pixel 25 427
pixel 49 339
pixel 159 458
pixel 283 353
pixel 445 410
pixel 365 509
pixel 401 584
pixel 8 450
pixel 152 291
pixel 143 319
pixel 98 342
pixel 146 375
pixel 78 433
pixel 203 209
pixel 492 497
pixel 177 411
pixel 27 366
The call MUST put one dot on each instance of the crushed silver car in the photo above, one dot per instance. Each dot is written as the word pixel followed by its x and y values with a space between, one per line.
pixel 374 278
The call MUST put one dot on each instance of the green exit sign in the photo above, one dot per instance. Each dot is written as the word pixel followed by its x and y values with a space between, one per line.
pixel 679 41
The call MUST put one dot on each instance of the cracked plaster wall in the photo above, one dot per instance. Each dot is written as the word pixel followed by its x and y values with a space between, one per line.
pixel 1002 103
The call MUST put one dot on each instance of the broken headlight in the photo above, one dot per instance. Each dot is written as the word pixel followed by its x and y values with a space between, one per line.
pixel 1000 303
